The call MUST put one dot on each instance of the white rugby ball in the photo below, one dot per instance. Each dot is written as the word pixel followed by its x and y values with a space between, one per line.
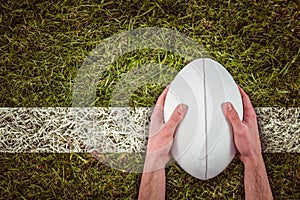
pixel 203 143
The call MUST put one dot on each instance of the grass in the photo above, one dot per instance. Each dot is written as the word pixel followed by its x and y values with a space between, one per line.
pixel 43 44
pixel 80 176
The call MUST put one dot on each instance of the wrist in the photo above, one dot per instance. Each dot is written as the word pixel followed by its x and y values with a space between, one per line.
pixel 253 162
pixel 154 161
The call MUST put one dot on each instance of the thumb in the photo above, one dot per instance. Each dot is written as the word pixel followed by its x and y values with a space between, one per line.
pixel 232 116
pixel 175 118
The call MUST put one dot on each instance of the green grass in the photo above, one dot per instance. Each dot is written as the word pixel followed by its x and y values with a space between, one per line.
pixel 80 176
pixel 42 45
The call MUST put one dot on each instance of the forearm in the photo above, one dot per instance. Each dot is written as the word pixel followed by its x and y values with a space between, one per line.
pixel 153 185
pixel 256 180
pixel 153 178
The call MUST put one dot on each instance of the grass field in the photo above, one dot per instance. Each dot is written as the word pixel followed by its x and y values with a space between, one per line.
pixel 43 44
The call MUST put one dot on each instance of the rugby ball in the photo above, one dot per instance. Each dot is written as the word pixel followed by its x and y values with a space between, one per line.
pixel 203 144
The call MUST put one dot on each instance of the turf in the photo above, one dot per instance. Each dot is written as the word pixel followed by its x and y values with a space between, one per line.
pixel 80 176
pixel 42 45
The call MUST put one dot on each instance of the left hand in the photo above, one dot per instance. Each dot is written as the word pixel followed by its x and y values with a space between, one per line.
pixel 161 134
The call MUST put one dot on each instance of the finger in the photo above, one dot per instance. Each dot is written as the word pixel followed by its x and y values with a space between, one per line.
pixel 248 108
pixel 162 97
pixel 232 116
pixel 157 114
pixel 175 119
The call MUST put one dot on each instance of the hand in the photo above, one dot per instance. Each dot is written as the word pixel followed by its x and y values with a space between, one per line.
pixel 247 142
pixel 161 134
pixel 245 133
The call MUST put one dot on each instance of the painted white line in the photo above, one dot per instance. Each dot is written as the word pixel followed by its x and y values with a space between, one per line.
pixel 66 129
pixel 279 129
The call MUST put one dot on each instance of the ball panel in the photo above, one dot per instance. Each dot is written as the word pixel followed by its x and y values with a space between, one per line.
pixel 215 98
pixel 191 163
pixel 222 154
pixel 231 90
pixel 181 91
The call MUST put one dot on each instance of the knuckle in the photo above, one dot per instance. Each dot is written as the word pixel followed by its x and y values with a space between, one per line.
pixel 235 116
pixel 242 131
pixel 239 130
pixel 174 120
pixel 167 130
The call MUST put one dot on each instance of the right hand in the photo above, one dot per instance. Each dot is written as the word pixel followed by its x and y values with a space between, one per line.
pixel 245 133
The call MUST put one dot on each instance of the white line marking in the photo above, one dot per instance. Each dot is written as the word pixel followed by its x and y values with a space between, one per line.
pixel 64 129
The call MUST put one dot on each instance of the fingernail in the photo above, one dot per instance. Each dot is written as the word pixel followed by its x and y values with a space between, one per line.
pixel 181 108
pixel 229 107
